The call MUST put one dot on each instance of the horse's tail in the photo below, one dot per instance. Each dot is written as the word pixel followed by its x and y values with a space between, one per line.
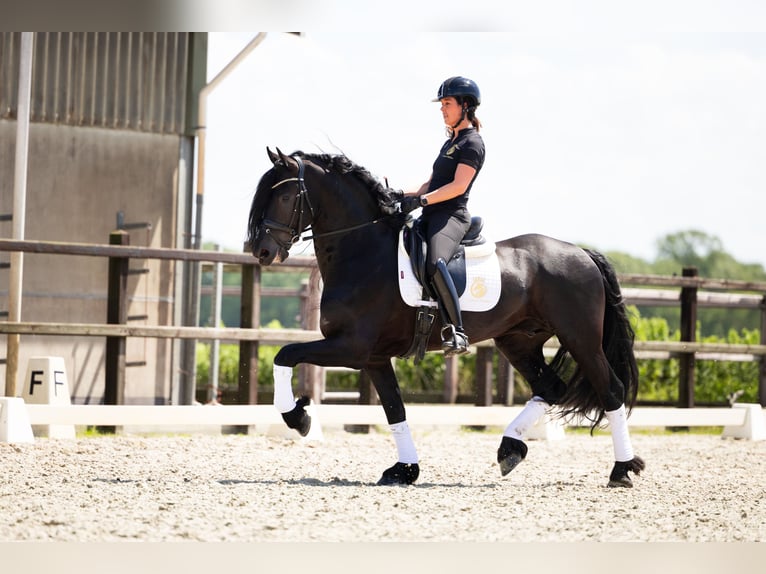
pixel 617 342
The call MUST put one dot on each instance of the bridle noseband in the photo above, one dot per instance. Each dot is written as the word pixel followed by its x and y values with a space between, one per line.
pixel 302 201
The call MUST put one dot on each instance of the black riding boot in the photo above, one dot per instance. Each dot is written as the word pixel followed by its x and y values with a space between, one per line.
pixel 454 341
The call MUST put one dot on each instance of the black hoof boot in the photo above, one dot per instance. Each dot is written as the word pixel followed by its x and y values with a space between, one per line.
pixel 619 476
pixel 400 473
pixel 511 452
pixel 298 418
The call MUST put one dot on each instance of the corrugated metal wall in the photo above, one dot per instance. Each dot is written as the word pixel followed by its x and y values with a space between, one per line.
pixel 121 80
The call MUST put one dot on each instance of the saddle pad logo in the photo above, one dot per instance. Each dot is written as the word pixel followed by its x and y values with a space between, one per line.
pixel 482 274
pixel 478 287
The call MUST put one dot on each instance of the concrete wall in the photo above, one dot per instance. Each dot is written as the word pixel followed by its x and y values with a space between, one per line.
pixel 79 179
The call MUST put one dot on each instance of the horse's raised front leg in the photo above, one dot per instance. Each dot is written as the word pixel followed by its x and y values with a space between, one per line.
pixel 406 470
pixel 345 353
pixel 293 411
pixel 324 353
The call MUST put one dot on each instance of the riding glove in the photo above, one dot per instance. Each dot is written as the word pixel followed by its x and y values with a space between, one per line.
pixel 409 203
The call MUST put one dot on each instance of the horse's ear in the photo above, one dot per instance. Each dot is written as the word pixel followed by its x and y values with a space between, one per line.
pixel 282 157
pixel 272 156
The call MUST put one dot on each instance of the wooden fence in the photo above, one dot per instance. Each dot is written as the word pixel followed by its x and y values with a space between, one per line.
pixel 688 293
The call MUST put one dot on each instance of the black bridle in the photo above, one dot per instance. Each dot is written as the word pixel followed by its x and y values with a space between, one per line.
pixel 295 226
pixel 302 203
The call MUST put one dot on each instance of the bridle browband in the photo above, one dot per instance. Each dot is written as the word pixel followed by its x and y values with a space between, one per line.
pixel 302 202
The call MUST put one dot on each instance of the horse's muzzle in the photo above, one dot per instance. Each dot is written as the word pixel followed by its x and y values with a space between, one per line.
pixel 268 256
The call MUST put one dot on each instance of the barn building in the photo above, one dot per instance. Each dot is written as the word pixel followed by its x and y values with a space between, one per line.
pixel 111 147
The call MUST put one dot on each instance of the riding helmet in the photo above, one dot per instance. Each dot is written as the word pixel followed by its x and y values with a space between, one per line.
pixel 458 86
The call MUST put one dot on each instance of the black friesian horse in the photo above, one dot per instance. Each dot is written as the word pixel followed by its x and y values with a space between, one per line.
pixel 548 288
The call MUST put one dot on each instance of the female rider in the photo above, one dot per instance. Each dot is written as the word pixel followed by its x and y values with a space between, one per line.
pixel 444 197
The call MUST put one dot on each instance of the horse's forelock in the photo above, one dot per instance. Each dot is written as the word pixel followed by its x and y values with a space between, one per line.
pixel 261 199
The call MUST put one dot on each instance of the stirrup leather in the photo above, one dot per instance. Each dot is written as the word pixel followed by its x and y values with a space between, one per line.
pixel 454 342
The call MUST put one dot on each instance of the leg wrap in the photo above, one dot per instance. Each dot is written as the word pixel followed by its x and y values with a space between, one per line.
pixel 284 400
pixel 618 425
pixel 533 410
pixel 404 443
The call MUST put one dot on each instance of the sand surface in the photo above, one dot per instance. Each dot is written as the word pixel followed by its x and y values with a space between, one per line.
pixel 260 488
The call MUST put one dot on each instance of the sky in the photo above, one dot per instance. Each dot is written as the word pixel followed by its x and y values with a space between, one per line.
pixel 610 126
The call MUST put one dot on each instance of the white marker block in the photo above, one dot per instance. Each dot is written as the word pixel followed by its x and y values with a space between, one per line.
pixel 46 384
pixel 14 421
pixel 754 427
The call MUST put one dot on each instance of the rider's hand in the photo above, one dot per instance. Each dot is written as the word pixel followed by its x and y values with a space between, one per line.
pixel 409 203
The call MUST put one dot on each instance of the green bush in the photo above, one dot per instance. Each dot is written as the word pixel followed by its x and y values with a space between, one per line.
pixel 716 381
pixel 719 380
pixel 228 366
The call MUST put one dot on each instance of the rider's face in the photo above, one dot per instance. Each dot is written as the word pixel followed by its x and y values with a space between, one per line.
pixel 451 111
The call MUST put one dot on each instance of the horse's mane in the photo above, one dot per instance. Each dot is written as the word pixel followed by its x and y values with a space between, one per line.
pixel 386 197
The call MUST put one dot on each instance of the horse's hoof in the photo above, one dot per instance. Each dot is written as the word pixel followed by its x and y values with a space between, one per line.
pixel 298 418
pixel 511 452
pixel 619 476
pixel 400 474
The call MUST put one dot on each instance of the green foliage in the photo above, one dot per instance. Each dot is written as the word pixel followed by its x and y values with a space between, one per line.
pixel 694 248
pixel 228 366
pixel 284 309
pixel 658 378
pixel 426 378
pixel 716 381
pixel 719 380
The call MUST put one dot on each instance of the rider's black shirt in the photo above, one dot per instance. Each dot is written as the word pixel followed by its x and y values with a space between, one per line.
pixel 467 148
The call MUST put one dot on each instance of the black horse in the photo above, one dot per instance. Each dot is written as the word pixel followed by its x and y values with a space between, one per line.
pixel 548 288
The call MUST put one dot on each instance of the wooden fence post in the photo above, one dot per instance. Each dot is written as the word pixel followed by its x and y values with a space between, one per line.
pixel 367 396
pixel 450 379
pixel 505 381
pixel 311 377
pixel 484 376
pixel 688 334
pixel 250 318
pixel 116 314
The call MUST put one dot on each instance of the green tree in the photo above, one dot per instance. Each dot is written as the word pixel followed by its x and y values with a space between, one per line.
pixel 694 248
pixel 691 248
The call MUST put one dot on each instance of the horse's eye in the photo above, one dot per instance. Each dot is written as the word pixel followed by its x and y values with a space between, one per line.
pixel 285 198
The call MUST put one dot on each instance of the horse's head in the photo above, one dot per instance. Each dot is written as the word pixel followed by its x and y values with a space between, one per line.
pixel 344 197
pixel 280 211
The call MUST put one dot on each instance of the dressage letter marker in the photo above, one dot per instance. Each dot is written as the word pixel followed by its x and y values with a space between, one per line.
pixel 47 384
pixel 35 379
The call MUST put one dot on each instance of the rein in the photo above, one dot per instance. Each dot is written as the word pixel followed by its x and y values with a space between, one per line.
pixel 301 201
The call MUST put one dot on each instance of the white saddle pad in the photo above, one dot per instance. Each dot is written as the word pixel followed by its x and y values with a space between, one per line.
pixel 482 291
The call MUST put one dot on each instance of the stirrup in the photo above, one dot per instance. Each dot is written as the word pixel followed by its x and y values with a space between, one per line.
pixel 454 342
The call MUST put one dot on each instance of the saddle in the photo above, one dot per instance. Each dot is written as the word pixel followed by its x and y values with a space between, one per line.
pixel 415 244
pixel 416 247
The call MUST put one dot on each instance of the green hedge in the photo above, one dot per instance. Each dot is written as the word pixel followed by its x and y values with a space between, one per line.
pixel 716 381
